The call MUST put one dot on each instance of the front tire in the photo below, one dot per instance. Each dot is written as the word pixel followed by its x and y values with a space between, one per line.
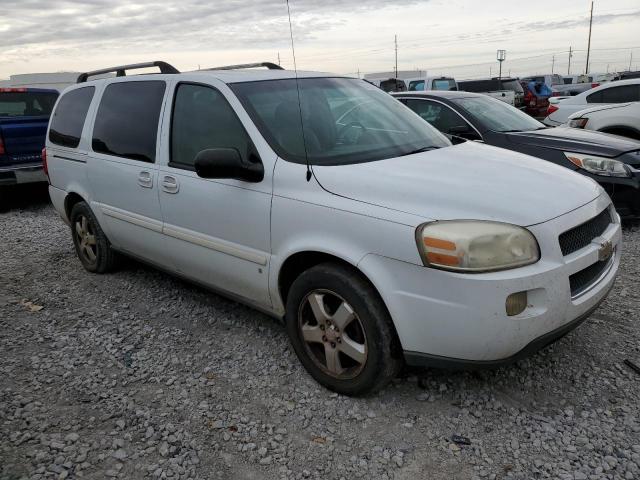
pixel 92 245
pixel 341 330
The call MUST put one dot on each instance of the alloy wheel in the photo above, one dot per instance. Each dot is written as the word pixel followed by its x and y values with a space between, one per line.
pixel 86 239
pixel 332 334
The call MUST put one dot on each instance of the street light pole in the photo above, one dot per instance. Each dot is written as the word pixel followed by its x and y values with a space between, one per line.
pixel 396 44
pixel 501 56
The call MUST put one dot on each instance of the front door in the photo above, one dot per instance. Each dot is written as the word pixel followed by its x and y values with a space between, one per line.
pixel 217 231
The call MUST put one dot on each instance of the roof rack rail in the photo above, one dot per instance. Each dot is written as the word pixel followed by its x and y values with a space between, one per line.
pixel 121 70
pixel 269 65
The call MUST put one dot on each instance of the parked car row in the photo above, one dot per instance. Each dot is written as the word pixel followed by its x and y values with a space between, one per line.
pixel 326 202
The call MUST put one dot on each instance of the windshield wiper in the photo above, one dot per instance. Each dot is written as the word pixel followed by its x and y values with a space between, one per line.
pixel 419 150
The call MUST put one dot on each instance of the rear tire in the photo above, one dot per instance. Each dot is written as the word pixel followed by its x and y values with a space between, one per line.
pixel 92 245
pixel 341 330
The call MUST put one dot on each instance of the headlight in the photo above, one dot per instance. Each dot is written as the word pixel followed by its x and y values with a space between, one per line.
pixel 475 246
pixel 598 165
pixel 578 122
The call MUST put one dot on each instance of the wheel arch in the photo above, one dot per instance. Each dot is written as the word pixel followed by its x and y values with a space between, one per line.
pixel 626 129
pixel 298 262
pixel 70 201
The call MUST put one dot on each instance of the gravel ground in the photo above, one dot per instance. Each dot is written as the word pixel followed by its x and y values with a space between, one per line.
pixel 139 375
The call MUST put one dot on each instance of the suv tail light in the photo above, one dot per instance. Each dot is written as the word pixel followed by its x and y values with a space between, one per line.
pixel 45 167
pixel 594 85
pixel 13 90
pixel 2 150
pixel 552 108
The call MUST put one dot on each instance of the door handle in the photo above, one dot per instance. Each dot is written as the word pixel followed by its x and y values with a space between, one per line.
pixel 145 179
pixel 170 184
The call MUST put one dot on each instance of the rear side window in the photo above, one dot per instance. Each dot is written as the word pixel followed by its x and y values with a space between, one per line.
pixel 203 119
pixel 622 94
pixel 68 119
pixel 127 120
pixel 17 103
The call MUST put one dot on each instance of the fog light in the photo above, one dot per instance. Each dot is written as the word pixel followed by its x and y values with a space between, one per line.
pixel 516 303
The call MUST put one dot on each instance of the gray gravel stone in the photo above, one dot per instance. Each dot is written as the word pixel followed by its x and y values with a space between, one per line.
pixel 138 375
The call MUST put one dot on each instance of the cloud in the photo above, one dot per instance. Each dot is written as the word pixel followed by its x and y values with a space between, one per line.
pixel 68 25
pixel 582 21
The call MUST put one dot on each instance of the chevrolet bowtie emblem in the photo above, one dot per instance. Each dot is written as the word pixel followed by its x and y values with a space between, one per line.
pixel 606 251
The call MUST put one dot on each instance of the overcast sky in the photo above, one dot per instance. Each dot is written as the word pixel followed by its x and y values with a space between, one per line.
pixel 458 37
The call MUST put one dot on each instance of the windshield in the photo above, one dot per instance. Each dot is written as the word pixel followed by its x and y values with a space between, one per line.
pixel 498 116
pixel 26 104
pixel 345 121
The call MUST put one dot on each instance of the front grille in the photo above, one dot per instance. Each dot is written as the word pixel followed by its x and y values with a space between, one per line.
pixel 582 235
pixel 582 280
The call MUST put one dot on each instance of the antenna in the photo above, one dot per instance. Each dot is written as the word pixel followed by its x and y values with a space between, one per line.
pixel 295 68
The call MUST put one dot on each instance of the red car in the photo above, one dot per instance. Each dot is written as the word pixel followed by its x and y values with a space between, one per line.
pixel 534 105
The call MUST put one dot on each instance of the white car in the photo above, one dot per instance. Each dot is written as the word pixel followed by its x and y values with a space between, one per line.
pixel 621 91
pixel 372 236
pixel 621 119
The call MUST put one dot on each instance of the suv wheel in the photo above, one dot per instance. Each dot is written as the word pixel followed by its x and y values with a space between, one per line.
pixel 341 331
pixel 92 246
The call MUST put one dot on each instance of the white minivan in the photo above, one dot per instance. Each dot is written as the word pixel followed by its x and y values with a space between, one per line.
pixel 326 202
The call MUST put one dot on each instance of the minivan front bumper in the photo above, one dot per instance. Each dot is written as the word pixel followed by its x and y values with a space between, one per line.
pixel 452 319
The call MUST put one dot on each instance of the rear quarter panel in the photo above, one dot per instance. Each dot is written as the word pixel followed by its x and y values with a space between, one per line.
pixel 68 166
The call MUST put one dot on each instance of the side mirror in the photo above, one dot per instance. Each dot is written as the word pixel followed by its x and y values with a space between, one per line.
pixel 228 163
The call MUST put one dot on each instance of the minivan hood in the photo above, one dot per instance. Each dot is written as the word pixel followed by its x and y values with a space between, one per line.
pixel 575 140
pixel 466 181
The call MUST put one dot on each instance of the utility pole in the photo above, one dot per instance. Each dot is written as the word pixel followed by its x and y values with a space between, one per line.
pixel 490 73
pixel 569 67
pixel 553 63
pixel 630 60
pixel 586 71
pixel 358 72
pixel 396 43
pixel 278 58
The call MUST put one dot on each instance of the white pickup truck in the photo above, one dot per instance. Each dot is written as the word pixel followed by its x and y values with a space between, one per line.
pixel 491 87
